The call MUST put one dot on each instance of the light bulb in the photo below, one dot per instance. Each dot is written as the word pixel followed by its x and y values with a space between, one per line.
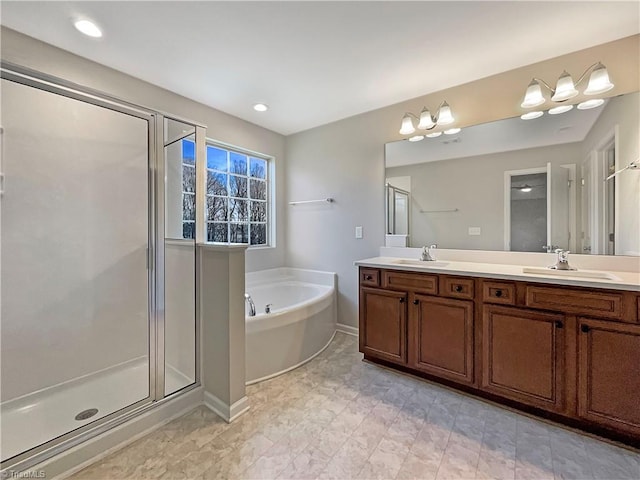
pixel 451 131
pixel 445 117
pixel 560 109
pixel 533 96
pixel 416 138
pixel 565 88
pixel 593 103
pixel 407 125
pixel 598 81
pixel 531 115
pixel 433 135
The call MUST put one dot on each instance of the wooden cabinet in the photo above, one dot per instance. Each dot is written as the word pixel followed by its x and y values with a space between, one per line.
pixel 383 324
pixel 609 374
pixel 572 352
pixel 523 356
pixel 441 337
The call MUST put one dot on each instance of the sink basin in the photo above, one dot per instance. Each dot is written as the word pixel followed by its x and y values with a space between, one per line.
pixel 419 263
pixel 594 275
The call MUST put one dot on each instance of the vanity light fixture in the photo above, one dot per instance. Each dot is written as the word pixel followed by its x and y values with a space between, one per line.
pixel 565 89
pixel 426 121
pixel 88 28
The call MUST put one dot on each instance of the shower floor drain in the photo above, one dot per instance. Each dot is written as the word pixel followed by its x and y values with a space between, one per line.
pixel 86 414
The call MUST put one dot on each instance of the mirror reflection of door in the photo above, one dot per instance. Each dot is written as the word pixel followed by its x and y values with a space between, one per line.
pixel 609 158
pixel 397 211
pixel 528 206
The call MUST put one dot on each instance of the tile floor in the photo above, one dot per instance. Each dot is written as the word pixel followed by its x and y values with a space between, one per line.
pixel 340 418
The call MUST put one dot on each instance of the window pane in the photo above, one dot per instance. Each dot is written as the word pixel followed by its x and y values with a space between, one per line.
pixel 216 158
pixel 238 163
pixel 258 211
pixel 188 152
pixel 238 210
pixel 258 234
pixel 188 206
pixel 188 230
pixel 217 209
pixel 188 179
pixel 217 232
pixel 216 183
pixel 237 186
pixel 258 168
pixel 258 189
pixel 239 233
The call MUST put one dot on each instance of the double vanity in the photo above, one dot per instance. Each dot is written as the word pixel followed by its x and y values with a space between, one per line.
pixel 560 344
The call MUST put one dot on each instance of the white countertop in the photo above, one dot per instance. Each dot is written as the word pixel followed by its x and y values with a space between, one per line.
pixel 618 280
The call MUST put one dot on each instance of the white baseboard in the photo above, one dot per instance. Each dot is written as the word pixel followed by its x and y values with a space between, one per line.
pixel 227 412
pixel 348 329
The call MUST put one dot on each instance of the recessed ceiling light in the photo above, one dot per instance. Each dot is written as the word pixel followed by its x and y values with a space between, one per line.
pixel 586 105
pixel 261 107
pixel 560 109
pixel 416 138
pixel 451 131
pixel 434 134
pixel 531 115
pixel 88 28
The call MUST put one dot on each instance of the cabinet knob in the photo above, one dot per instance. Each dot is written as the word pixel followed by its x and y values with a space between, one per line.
pixel 402 300
pixel 368 277
pixel 416 302
pixel 498 293
pixel 559 324
pixel 458 288
pixel 584 328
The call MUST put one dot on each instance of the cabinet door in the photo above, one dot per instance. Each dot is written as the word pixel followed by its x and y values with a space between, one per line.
pixel 523 356
pixel 609 374
pixel 383 324
pixel 441 333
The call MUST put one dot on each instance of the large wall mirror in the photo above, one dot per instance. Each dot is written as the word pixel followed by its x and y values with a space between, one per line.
pixel 524 185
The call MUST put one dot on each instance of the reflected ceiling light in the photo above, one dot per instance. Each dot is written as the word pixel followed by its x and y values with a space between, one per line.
pixel 427 121
pixel 560 109
pixel 525 188
pixel 88 28
pixel 566 88
pixel 433 134
pixel 452 131
pixel 416 138
pixel 261 107
pixel 587 104
pixel 531 115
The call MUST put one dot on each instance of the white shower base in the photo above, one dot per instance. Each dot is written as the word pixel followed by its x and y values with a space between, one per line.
pixel 36 418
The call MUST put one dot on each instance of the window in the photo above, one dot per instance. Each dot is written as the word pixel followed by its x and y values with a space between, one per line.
pixel 237 195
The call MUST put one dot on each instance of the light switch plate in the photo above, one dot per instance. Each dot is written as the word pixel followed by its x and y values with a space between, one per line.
pixel 475 230
pixel 358 232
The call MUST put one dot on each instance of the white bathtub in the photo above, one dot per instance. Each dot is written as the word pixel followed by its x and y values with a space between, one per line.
pixel 301 324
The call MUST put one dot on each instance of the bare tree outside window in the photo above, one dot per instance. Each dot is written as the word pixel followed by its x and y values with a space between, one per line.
pixel 236 198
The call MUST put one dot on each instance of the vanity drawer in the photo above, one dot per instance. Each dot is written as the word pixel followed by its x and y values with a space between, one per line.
pixel 370 277
pixel 503 293
pixel 456 287
pixel 562 299
pixel 415 282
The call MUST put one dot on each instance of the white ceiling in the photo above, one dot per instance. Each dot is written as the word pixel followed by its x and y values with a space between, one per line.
pixel 318 62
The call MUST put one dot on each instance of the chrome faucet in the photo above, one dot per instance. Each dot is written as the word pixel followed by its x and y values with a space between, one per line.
pixel 267 308
pixel 427 253
pixel 252 306
pixel 563 260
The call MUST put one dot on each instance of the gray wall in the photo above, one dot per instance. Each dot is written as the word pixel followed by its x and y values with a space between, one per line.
pixel 29 52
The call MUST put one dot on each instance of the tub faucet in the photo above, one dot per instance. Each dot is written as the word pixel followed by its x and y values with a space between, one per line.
pixel 427 253
pixel 252 306
pixel 563 260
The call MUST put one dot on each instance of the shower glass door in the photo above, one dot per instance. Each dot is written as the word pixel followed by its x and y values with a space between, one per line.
pixel 75 281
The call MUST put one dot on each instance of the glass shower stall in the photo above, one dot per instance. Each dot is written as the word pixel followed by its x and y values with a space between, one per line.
pixel 98 284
